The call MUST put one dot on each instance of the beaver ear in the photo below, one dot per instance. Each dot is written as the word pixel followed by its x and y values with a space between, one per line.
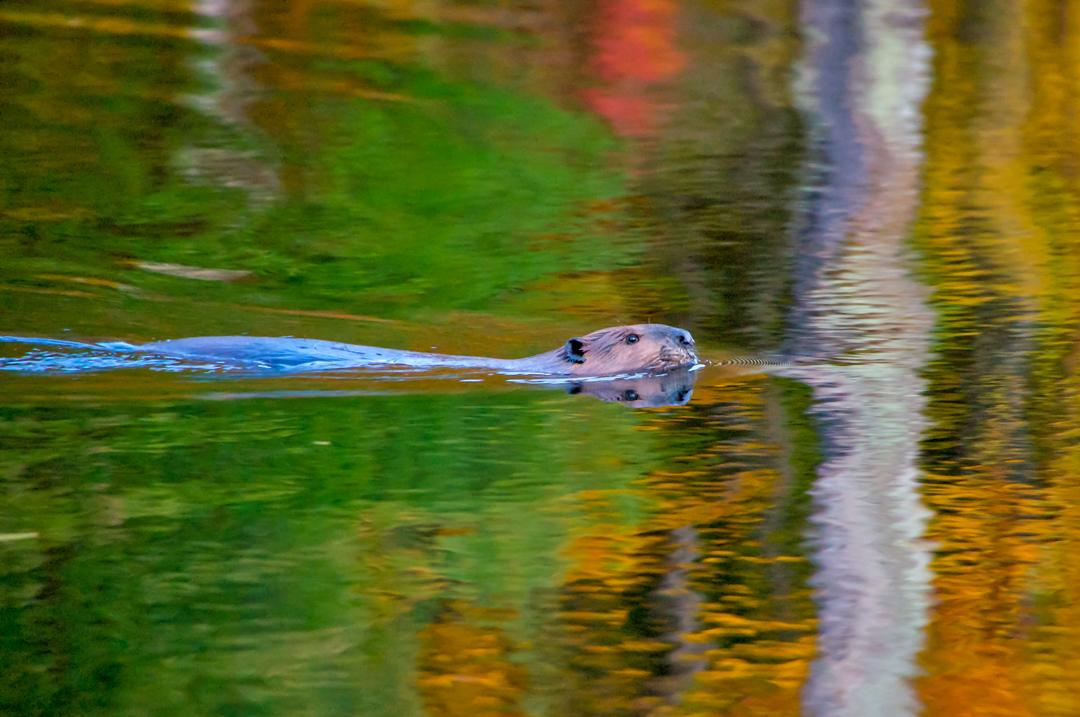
pixel 575 351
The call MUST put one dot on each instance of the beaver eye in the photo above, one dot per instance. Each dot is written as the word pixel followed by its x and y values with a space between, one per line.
pixel 630 395
pixel 632 338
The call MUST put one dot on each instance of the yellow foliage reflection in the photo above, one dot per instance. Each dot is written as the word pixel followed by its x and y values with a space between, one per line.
pixel 999 236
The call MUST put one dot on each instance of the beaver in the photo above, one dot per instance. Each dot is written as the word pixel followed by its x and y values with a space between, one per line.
pixel 639 348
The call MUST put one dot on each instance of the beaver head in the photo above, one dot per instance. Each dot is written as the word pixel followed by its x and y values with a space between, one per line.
pixel 650 348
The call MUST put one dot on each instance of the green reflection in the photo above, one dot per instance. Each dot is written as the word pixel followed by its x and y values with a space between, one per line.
pixel 305 175
pixel 262 557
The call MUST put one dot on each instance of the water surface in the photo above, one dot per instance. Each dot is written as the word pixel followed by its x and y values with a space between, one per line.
pixel 885 190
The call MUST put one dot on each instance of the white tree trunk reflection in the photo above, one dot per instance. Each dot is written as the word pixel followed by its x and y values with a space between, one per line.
pixel 864 77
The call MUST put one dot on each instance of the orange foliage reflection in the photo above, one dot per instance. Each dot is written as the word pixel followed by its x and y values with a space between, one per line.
pixel 634 49
pixel 465 668
pixel 703 608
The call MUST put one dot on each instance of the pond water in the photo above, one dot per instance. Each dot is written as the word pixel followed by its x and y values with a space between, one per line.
pixel 887 191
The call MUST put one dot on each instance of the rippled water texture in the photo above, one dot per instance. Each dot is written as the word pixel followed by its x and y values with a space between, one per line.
pixel 876 203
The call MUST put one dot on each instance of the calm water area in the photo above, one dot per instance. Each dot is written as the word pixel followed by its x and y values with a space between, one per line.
pixel 887 190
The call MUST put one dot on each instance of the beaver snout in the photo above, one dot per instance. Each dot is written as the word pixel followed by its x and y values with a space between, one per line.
pixel 685 347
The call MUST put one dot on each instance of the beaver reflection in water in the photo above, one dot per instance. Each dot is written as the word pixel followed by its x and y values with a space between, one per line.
pixel 673 388
pixel 640 348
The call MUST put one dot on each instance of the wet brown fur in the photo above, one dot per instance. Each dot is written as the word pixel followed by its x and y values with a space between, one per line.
pixel 658 348
pixel 607 352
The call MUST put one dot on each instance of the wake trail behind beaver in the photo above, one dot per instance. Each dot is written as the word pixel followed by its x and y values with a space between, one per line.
pixel 64 357
pixel 85 357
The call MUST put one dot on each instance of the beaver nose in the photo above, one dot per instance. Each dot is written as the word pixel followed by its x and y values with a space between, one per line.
pixel 686 343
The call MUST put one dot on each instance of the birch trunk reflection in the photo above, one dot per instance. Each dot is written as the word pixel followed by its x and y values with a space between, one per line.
pixel 864 78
